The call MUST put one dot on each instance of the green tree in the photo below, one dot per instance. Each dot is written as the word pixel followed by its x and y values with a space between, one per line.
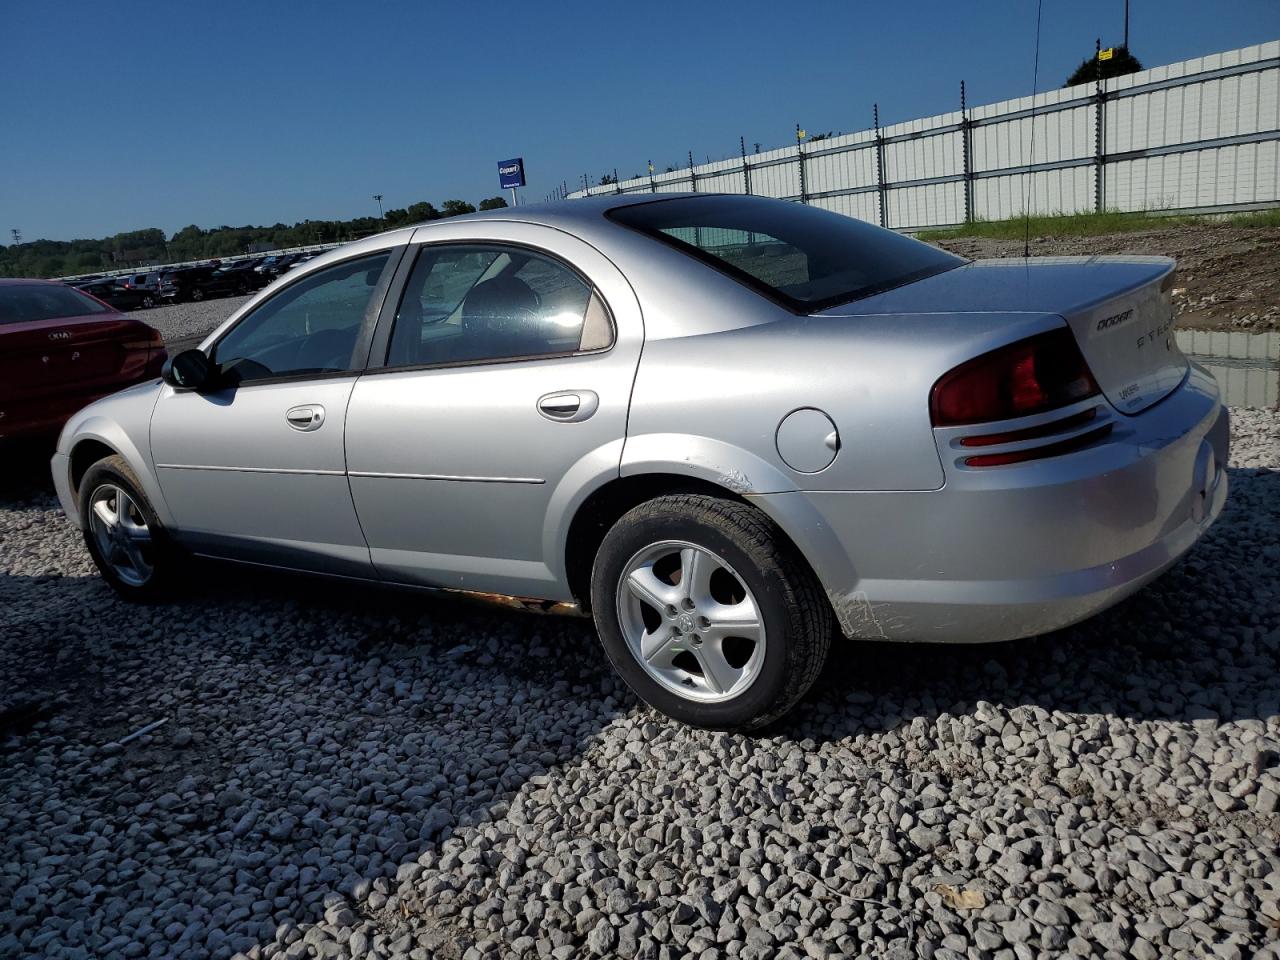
pixel 454 208
pixel 421 211
pixel 61 258
pixel 1091 68
pixel 396 218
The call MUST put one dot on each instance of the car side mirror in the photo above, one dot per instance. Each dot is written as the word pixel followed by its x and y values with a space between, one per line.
pixel 189 370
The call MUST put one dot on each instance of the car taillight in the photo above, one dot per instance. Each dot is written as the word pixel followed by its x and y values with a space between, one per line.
pixel 148 339
pixel 1031 376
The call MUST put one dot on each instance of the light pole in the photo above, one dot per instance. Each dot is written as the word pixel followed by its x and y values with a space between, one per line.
pixel 378 197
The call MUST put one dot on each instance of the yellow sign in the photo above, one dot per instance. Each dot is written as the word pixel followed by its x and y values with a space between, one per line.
pixel 800 134
pixel 1107 54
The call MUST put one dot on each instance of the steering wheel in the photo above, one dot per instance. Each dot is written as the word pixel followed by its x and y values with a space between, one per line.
pixel 326 350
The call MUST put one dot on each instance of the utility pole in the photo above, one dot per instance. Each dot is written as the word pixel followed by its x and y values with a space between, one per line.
pixel 17 236
pixel 1126 24
pixel 378 197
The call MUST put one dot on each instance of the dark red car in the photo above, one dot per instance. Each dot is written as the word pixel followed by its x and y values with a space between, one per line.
pixel 61 349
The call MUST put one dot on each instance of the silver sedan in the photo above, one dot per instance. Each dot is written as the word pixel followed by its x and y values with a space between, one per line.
pixel 731 428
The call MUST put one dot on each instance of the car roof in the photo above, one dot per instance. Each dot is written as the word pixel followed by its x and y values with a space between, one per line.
pixel 559 212
pixel 21 281
pixel 584 218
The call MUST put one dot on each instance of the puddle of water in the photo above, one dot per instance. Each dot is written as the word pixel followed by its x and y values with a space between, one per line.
pixel 1246 365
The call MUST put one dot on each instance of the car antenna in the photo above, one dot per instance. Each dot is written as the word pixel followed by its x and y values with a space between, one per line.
pixel 1031 159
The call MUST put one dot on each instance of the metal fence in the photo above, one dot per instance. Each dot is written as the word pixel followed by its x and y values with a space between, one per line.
pixel 1199 135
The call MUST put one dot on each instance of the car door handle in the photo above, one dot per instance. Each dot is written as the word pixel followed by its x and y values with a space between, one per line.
pixel 309 416
pixel 569 406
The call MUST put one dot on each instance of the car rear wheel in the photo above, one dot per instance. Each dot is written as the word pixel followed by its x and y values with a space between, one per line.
pixel 197 294
pixel 708 613
pixel 148 302
pixel 124 537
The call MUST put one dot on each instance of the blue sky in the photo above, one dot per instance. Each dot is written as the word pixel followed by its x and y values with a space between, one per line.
pixel 118 116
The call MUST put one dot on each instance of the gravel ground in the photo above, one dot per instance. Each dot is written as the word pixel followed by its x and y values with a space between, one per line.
pixel 351 772
pixel 186 324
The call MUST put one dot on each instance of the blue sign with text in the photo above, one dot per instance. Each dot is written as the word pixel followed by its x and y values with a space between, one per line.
pixel 511 172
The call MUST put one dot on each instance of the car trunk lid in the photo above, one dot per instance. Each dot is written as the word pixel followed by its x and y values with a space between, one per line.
pixel 46 357
pixel 1119 310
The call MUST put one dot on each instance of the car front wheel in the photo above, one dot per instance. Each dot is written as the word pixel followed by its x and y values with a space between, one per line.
pixel 708 613
pixel 123 535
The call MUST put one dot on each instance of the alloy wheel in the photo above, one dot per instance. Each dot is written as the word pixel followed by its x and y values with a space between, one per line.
pixel 691 621
pixel 121 534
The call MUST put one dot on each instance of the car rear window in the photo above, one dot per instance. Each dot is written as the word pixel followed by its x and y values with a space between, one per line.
pixel 22 303
pixel 804 257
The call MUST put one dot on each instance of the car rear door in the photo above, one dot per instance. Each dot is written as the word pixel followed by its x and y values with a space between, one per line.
pixel 255 469
pixel 496 399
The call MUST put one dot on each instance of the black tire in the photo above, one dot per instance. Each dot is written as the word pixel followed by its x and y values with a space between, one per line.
pixel 165 558
pixel 197 294
pixel 797 617
pixel 148 302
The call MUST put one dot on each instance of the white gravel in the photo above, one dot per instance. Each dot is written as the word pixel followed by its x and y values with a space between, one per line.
pixel 355 773
pixel 186 324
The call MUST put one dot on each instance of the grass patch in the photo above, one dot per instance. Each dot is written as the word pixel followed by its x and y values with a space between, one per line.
pixel 1096 224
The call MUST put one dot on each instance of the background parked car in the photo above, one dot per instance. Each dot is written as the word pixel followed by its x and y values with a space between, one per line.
pixel 304 258
pixel 110 291
pixel 235 279
pixel 186 283
pixel 61 349
pixel 148 284
pixel 273 266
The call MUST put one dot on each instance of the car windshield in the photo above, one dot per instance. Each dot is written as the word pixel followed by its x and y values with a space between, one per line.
pixel 22 302
pixel 801 256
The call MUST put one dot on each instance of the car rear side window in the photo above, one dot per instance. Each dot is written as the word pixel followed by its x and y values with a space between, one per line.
pixel 804 257
pixel 24 302
pixel 473 303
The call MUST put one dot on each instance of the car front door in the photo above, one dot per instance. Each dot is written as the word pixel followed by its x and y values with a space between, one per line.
pixel 254 468
pixel 496 397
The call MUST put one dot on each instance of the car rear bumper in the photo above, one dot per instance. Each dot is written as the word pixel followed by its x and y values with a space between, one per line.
pixel 1004 552
pixel 44 416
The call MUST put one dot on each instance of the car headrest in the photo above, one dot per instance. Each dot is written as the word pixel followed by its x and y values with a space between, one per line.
pixel 503 304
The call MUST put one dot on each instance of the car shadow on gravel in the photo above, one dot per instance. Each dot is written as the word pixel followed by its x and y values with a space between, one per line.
pixel 25 472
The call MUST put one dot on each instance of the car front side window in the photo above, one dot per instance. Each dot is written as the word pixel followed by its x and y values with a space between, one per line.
pixel 478 303
pixel 311 327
